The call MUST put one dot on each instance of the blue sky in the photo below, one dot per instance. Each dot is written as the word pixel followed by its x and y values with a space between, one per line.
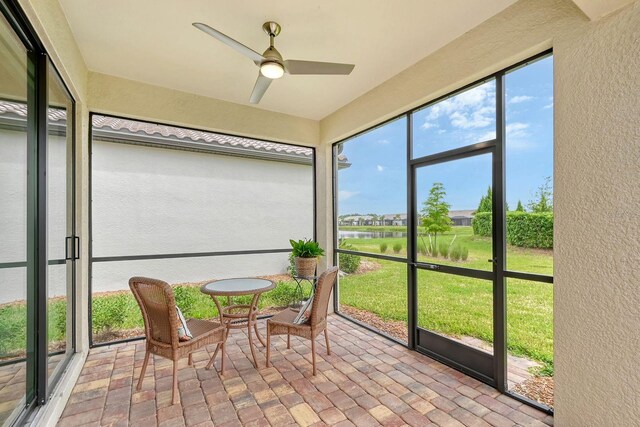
pixel 376 180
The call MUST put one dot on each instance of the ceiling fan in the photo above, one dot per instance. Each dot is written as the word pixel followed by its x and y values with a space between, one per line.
pixel 271 64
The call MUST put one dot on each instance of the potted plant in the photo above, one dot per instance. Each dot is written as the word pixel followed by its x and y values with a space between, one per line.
pixel 306 253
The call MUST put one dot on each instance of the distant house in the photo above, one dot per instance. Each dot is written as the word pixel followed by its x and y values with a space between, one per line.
pixel 462 218
pixel 394 219
pixel 459 218
pixel 356 220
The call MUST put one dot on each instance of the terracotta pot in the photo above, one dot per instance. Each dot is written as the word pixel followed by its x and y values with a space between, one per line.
pixel 306 267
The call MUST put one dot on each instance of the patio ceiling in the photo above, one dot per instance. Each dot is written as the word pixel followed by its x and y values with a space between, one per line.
pixel 154 42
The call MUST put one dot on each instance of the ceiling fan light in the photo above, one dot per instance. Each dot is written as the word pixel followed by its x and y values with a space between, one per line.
pixel 272 70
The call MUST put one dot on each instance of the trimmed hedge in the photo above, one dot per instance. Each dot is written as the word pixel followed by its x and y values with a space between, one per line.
pixel 481 224
pixel 524 229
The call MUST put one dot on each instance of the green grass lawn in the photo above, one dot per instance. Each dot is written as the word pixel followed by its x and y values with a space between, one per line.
pixel 456 305
pixel 538 261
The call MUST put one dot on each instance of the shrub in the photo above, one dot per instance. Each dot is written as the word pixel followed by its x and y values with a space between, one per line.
pixel 186 299
pixel 524 229
pixel 383 247
pixel 397 247
pixel 422 247
pixel 464 254
pixel 433 250
pixel 348 263
pixel 109 311
pixel 530 230
pixel 481 224
pixel 456 253
pixel 443 249
pixel 282 295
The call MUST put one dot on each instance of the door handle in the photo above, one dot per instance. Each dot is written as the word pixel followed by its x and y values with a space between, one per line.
pixel 72 248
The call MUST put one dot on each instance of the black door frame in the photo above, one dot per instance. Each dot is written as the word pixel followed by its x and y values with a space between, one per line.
pixel 38 384
pixel 474 362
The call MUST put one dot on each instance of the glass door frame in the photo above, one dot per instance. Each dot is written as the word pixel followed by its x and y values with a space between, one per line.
pixel 38 385
pixel 474 362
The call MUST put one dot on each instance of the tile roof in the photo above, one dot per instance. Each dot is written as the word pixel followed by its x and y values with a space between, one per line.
pixel 19 109
pixel 137 127
pixel 125 127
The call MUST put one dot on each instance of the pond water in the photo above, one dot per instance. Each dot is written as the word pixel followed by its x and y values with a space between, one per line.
pixel 349 234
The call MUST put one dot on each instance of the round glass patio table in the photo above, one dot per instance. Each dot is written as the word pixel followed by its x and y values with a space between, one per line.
pixel 239 316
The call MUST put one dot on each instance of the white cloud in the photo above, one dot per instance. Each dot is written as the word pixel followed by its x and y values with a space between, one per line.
pixel 441 131
pixel 472 109
pixel 518 137
pixel 383 141
pixel 550 104
pixel 519 99
pixel 428 125
pixel 479 118
pixel 346 195
pixel 517 130
pixel 380 168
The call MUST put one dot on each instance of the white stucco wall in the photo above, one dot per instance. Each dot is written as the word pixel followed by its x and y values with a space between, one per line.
pixel 149 201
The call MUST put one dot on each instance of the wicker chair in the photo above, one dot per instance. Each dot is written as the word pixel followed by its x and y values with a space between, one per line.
pixel 282 323
pixel 158 306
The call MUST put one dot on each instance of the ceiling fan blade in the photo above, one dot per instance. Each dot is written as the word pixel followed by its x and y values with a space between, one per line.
pixel 262 84
pixel 311 67
pixel 244 50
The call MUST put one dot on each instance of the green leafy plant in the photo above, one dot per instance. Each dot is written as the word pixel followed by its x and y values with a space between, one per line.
pixel 292 265
pixel 383 247
pixel 348 263
pixel 185 299
pixel 397 247
pixel 306 248
pixel 546 370
pixel 283 294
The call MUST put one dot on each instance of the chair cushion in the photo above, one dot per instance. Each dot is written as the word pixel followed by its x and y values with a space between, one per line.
pixel 305 311
pixel 184 334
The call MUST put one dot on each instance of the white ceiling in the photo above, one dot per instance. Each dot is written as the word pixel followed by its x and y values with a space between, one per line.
pixel 153 41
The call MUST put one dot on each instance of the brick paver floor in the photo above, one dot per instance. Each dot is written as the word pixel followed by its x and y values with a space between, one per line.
pixel 367 381
pixel 13 385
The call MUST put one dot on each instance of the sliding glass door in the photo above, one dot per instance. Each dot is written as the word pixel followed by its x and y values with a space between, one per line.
pixel 17 386
pixel 38 247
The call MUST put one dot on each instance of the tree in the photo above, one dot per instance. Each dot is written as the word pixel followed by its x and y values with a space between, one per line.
pixel 543 201
pixel 519 208
pixel 486 202
pixel 435 212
